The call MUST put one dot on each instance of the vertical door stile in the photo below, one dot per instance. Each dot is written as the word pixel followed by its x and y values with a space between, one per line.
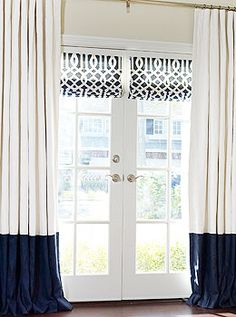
pixel 130 154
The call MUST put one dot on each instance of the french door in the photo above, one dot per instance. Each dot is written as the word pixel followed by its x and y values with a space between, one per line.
pixel 123 198
pixel 90 197
pixel 155 263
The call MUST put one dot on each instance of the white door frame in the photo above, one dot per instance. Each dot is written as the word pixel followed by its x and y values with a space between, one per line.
pixel 125 48
pixel 183 49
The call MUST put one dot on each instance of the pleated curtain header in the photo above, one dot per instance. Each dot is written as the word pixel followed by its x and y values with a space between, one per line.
pixel 86 75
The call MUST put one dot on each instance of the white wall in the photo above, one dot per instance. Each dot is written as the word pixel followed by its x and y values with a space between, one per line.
pixel 145 22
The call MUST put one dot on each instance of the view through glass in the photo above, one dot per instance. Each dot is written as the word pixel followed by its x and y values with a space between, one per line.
pixel 161 192
pixel 83 191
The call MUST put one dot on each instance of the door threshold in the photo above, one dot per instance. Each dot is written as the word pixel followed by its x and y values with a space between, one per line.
pixel 131 302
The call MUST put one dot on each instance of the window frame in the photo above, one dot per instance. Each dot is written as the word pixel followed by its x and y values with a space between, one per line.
pixel 177 128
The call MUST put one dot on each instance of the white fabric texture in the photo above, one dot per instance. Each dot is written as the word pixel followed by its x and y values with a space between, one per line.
pixel 29 89
pixel 212 176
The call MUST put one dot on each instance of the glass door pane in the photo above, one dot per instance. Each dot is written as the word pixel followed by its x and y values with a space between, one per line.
pixel 156 221
pixel 88 212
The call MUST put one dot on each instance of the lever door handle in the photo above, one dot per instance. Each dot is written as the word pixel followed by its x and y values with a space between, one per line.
pixel 132 178
pixel 115 178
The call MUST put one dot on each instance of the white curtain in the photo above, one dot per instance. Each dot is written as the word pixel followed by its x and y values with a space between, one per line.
pixel 212 179
pixel 213 132
pixel 29 90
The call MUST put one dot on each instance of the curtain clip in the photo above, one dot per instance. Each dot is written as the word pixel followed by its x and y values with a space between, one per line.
pixel 128 6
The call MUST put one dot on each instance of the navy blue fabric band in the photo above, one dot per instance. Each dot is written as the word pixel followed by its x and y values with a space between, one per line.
pixel 213 270
pixel 30 279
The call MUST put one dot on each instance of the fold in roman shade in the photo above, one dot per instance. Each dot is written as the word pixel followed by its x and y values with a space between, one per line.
pixel 160 79
pixel 86 75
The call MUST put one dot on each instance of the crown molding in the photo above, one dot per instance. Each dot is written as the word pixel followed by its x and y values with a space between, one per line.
pixel 126 44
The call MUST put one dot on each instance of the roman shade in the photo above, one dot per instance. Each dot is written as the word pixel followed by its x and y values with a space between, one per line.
pixel 87 75
pixel 160 79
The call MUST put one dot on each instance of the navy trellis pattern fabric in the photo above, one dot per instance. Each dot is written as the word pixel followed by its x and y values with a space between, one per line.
pixel 91 75
pixel 162 79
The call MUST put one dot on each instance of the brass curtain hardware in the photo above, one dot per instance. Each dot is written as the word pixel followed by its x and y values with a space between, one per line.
pixel 176 4
pixel 128 6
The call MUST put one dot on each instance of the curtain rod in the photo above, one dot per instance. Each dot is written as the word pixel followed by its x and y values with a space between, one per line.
pixel 175 4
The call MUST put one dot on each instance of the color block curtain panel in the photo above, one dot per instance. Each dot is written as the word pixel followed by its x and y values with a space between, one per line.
pixel 213 160
pixel 29 88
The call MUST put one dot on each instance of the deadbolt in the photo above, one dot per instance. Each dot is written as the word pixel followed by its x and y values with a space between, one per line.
pixel 116 158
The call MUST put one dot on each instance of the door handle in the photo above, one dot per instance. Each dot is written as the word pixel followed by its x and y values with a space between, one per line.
pixel 131 178
pixel 115 178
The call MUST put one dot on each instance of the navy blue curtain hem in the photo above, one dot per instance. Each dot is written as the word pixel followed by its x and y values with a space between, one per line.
pixel 30 280
pixel 213 270
pixel 55 306
pixel 212 302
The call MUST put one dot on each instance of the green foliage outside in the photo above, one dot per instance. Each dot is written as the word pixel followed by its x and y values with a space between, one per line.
pixel 150 258
pixel 151 204
pixel 66 260
pixel 91 261
pixel 151 198
pixel 178 257
pixel 176 202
